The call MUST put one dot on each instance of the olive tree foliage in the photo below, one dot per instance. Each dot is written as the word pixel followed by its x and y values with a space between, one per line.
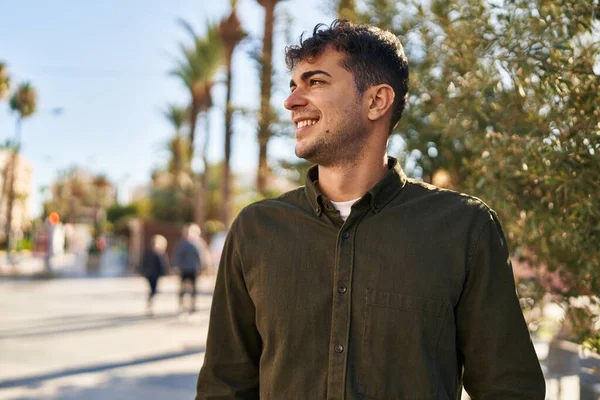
pixel 503 103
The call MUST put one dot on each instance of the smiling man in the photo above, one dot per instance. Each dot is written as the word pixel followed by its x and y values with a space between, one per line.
pixel 363 284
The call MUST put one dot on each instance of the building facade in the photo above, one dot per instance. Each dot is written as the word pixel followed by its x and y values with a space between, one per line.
pixel 21 213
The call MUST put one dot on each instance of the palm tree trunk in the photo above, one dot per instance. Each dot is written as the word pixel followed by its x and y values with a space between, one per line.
pixel 202 200
pixel 10 198
pixel 264 123
pixel 194 111
pixel 226 201
pixel 11 188
pixel 205 151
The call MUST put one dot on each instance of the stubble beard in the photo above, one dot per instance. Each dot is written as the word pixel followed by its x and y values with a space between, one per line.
pixel 337 146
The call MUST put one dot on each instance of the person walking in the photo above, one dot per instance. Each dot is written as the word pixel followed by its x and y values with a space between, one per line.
pixel 189 262
pixel 154 265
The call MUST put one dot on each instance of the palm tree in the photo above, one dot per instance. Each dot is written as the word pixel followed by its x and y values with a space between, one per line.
pixel 177 116
pixel 4 90
pixel 232 33
pixel 266 113
pixel 23 102
pixel 4 81
pixel 178 145
pixel 197 71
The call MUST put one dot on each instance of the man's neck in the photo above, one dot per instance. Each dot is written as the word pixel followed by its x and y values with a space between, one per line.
pixel 348 182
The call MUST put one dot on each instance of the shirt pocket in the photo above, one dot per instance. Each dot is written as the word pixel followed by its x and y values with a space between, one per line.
pixel 399 349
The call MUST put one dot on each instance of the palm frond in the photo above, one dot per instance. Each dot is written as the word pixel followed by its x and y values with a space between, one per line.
pixel 188 28
pixel 4 80
pixel 177 116
pixel 201 60
pixel 24 100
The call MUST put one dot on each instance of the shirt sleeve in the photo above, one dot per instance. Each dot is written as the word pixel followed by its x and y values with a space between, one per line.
pixel 493 340
pixel 233 347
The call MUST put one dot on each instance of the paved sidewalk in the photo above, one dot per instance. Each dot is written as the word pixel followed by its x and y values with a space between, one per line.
pixel 26 265
pixel 91 339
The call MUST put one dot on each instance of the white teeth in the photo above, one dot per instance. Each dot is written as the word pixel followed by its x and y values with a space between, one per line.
pixel 306 122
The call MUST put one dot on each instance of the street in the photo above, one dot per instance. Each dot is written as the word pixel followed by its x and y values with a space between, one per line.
pixel 90 338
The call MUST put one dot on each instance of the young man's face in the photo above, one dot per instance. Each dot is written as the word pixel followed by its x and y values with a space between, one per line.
pixel 327 110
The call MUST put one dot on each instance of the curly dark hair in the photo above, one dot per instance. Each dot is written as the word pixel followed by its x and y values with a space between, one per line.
pixel 372 55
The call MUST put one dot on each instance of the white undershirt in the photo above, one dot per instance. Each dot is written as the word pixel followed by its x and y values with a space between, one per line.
pixel 344 207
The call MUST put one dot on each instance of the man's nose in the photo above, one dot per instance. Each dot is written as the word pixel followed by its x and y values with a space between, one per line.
pixel 295 99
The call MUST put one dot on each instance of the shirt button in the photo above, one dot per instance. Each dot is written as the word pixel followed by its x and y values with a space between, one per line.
pixel 338 348
pixel 342 289
pixel 345 235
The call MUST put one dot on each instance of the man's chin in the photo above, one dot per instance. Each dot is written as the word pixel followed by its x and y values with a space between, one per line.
pixel 313 157
pixel 305 154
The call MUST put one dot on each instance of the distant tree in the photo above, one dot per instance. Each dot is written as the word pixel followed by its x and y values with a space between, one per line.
pixel 4 81
pixel 266 116
pixel 4 91
pixel 166 205
pixel 197 71
pixel 172 192
pixel 116 212
pixel 79 196
pixel 295 170
pixel 345 9
pixel 179 162
pixel 23 102
pixel 232 33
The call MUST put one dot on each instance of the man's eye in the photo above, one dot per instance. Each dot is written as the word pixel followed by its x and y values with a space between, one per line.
pixel 292 89
pixel 314 82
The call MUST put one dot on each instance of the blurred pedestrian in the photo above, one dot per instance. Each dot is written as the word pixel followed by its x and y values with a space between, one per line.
pixel 189 262
pixel 154 265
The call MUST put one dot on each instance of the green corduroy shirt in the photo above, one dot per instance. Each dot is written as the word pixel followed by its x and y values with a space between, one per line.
pixel 410 298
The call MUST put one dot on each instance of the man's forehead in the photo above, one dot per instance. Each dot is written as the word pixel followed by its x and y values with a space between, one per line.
pixel 328 60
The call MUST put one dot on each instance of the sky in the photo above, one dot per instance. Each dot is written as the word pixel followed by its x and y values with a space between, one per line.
pixel 106 65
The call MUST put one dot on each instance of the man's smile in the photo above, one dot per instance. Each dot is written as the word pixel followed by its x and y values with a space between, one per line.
pixel 304 123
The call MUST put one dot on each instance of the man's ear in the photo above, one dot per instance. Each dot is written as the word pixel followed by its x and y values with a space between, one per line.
pixel 381 99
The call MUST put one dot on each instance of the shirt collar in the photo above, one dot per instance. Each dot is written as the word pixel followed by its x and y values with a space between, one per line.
pixel 379 195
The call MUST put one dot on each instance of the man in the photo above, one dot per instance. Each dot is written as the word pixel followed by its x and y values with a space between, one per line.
pixel 363 284
pixel 187 259
pixel 154 265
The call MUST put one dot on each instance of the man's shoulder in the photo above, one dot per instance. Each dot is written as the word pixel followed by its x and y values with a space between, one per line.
pixel 276 210
pixel 450 200
pixel 293 199
pixel 183 242
pixel 186 245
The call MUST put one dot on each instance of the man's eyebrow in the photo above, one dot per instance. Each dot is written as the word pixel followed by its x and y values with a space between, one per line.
pixel 306 75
